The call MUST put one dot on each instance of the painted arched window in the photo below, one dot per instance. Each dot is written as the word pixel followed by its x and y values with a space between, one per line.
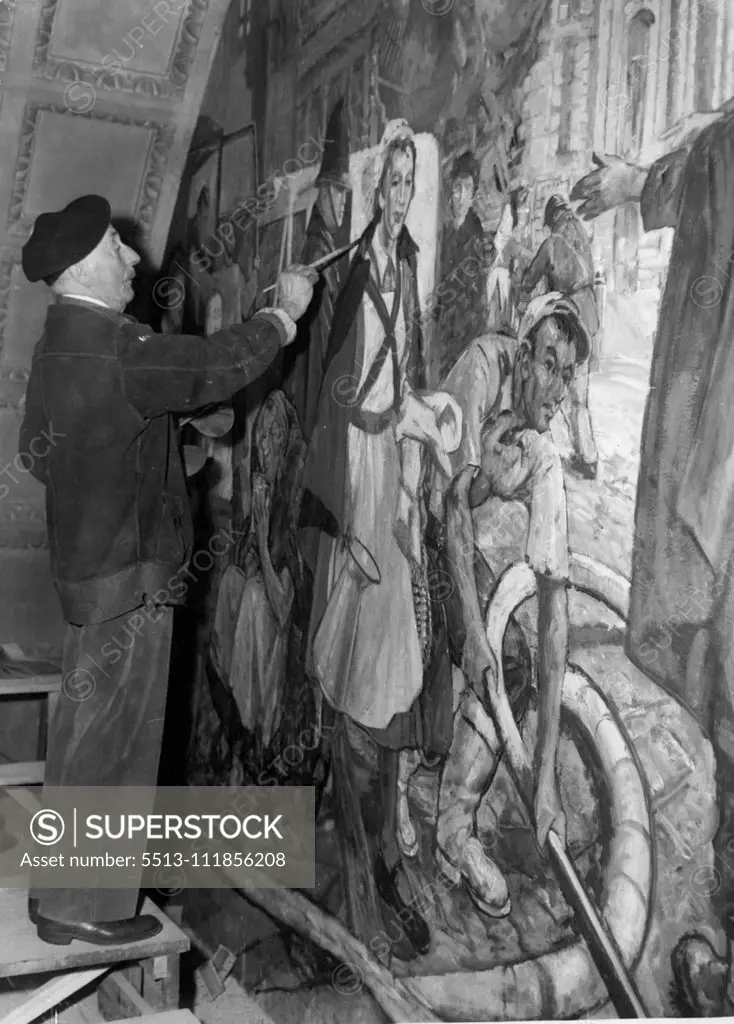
pixel 568 9
pixel 245 20
pixel 706 23
pixel 638 63
pixel 673 48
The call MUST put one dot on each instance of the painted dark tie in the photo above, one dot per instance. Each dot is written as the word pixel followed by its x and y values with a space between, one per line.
pixel 388 280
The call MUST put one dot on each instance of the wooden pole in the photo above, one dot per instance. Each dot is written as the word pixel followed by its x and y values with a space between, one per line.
pixel 606 957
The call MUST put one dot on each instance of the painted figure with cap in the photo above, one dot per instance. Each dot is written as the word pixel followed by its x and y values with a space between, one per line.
pixel 363 476
pixel 328 230
pixel 566 262
pixel 117 510
pixel 509 389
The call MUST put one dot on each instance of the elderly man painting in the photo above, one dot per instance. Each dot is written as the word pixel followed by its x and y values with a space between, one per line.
pixel 117 511
pixel 509 389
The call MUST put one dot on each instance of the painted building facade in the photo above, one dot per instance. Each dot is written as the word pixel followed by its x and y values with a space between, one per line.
pixel 616 77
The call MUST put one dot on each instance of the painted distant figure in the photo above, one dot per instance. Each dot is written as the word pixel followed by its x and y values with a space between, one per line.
pixel 566 262
pixel 327 231
pixel 462 306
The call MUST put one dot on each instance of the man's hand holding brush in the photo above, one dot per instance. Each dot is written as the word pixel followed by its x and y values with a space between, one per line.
pixel 295 289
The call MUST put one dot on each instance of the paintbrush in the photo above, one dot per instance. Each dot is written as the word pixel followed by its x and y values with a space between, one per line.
pixel 322 262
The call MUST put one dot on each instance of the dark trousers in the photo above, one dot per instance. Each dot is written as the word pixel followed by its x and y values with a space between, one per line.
pixel 107 731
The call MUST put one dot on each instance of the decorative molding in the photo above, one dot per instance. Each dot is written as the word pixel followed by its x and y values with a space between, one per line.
pixel 139 83
pixel 162 139
pixel 7 17
pixel 13 377
pixel 7 263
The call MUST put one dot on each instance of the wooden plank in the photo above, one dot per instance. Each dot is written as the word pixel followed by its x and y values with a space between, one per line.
pixel 25 798
pixel 169 1017
pixel 18 685
pixel 22 952
pixel 162 987
pixel 139 1007
pixel 51 994
pixel 22 773
pixel 235 1004
pixel 79 1008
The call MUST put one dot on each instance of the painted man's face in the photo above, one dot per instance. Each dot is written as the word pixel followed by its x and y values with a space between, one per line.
pixel 339 201
pixel 396 193
pixel 333 202
pixel 462 194
pixel 271 446
pixel 547 375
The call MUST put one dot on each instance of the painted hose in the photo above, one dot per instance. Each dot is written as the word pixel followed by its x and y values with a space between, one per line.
pixel 565 983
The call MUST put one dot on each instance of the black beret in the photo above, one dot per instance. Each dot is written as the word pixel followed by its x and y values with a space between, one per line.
pixel 61 239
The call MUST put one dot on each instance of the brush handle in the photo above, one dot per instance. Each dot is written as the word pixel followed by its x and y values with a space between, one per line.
pixel 321 262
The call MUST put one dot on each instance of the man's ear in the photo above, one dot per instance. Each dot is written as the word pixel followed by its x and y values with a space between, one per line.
pixel 78 273
pixel 381 200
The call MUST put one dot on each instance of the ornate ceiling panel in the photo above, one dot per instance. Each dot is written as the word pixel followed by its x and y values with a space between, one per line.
pixel 135 47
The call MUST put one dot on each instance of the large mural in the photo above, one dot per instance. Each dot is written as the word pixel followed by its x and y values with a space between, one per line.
pixel 480 597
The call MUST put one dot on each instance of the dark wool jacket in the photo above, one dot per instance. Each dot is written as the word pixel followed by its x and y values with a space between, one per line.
pixel 99 433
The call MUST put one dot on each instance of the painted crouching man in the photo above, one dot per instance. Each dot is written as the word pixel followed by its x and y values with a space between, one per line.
pixel 509 389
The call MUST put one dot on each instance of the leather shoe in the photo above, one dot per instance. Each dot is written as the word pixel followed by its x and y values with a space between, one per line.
pixel 33 909
pixel 98 933
pixel 485 882
pixel 402 916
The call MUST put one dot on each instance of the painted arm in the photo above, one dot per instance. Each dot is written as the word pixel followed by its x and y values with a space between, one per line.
pixel 504 466
pixel 657 188
pixel 280 595
pixel 660 196
pixel 478 657
pixel 552 654
pixel 538 268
